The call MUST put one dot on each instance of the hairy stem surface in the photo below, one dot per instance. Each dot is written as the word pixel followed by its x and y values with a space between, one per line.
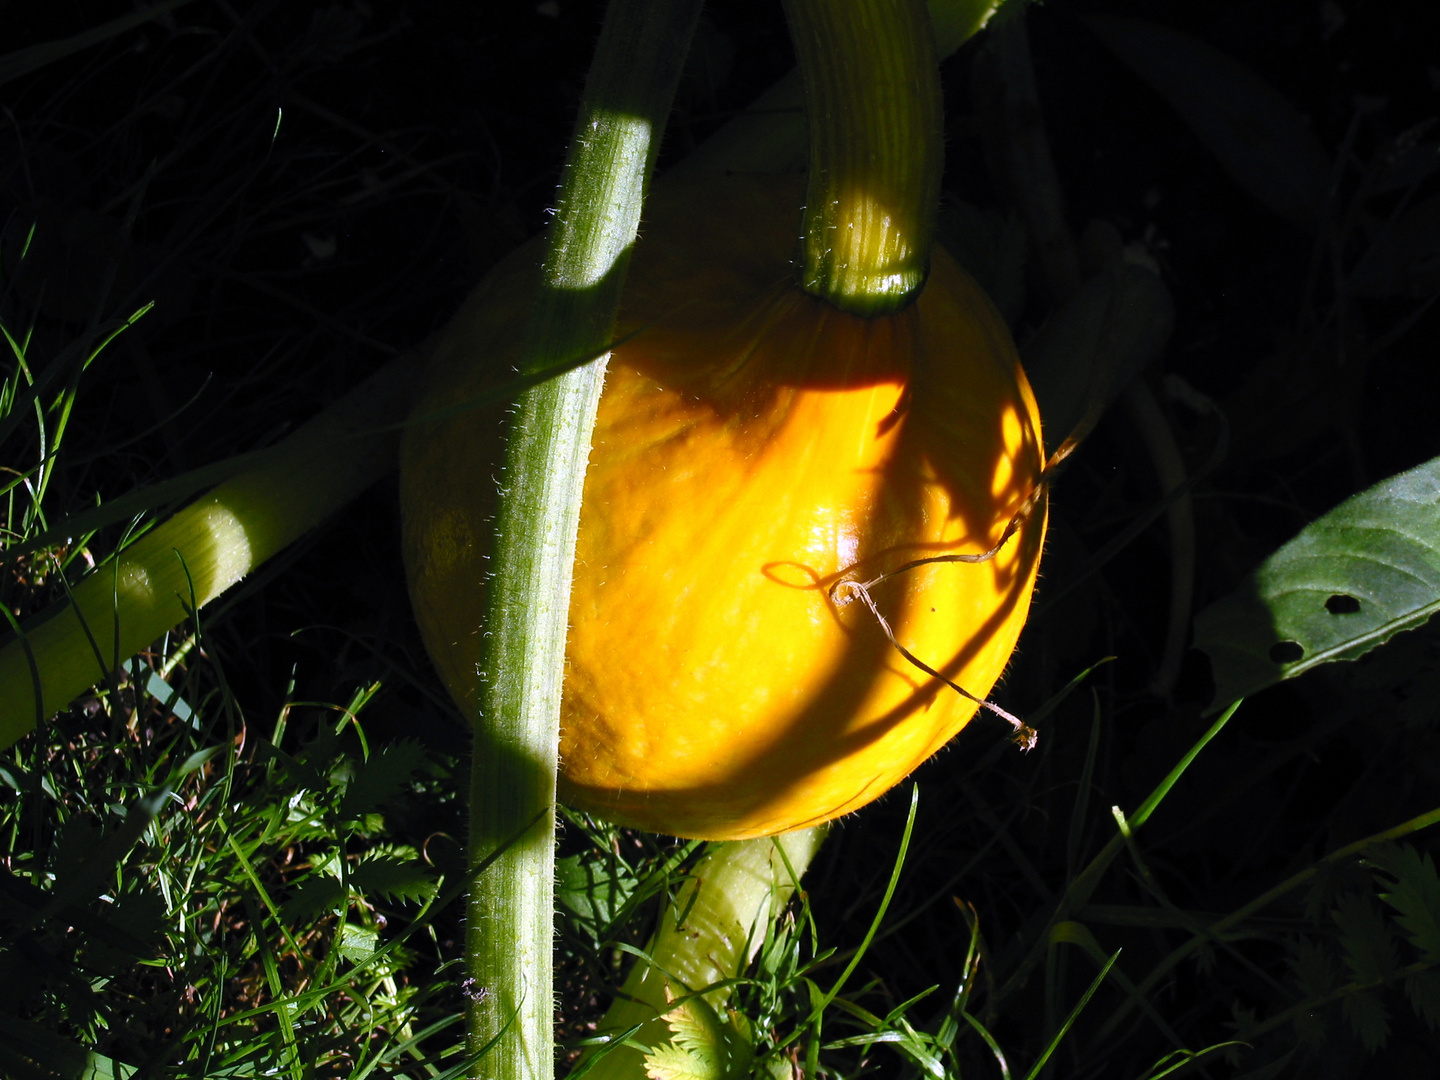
pixel 510 928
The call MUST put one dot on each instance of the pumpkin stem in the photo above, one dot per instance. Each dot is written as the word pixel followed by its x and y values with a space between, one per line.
pixel 872 95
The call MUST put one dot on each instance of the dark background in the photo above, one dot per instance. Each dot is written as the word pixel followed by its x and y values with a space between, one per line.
pixel 419 141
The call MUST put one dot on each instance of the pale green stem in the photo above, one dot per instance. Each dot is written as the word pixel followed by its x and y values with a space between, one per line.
pixel 707 935
pixel 769 135
pixel 872 101
pixel 510 929
pixel 204 549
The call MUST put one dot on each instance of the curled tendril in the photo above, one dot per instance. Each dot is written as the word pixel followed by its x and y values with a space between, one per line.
pixel 846 591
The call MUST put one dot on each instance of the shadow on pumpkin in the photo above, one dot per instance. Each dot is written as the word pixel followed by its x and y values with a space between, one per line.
pixel 755 795
pixel 734 366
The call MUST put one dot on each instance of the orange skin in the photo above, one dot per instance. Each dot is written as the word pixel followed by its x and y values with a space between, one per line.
pixel 753 446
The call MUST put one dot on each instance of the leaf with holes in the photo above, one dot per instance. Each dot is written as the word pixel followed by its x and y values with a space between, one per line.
pixel 1345 584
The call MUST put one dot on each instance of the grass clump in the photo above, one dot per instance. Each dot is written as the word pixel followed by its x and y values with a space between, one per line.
pixel 201 898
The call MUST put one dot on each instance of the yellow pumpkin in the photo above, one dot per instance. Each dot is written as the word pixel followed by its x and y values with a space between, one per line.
pixel 754 447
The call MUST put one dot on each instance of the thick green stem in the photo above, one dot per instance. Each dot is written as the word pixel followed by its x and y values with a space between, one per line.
pixel 184 563
pixel 769 135
pixel 707 935
pixel 872 98
pixel 511 918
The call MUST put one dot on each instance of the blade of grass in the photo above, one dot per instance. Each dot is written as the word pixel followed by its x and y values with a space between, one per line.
pixel 1075 933
pixel 1082 794
pixel 1082 887
pixel 820 1002
pixel 1070 1020
pixel 895 870
pixel 1221 927
pixel 1174 1062
pixel 991 1042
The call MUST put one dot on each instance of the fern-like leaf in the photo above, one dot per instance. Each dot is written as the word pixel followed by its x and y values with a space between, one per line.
pixel 1415 895
pixel 357 943
pixel 1315 976
pixel 393 877
pixel 704 1047
pixel 1311 967
pixel 1423 990
pixel 672 1062
pixel 319 894
pixel 1369 1019
pixel 1366 938
pixel 380 777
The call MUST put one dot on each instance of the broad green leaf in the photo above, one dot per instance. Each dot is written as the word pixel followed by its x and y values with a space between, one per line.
pixel 101 1067
pixel 1343 585
pixel 594 889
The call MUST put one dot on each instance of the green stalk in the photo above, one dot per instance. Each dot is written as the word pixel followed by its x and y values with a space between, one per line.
pixel 707 935
pixel 872 99
pixel 184 563
pixel 769 135
pixel 510 928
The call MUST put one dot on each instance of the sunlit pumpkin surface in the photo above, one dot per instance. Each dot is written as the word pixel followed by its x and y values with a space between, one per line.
pixel 753 446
